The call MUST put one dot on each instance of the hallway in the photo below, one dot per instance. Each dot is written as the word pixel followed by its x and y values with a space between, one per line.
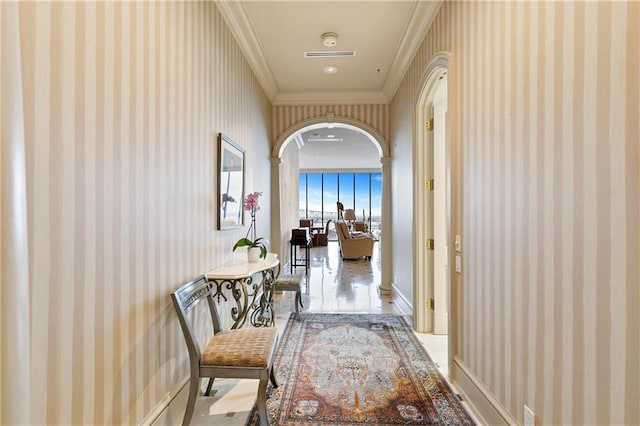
pixel 332 286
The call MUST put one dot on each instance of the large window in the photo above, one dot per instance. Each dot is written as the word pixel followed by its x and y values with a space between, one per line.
pixel 361 192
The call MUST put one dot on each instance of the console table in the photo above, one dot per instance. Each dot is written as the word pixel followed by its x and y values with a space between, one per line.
pixel 249 295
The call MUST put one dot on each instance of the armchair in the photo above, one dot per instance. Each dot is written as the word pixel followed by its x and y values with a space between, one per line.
pixel 353 247
pixel 360 226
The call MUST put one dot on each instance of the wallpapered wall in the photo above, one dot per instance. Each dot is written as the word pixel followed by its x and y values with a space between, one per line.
pixel 123 102
pixel 285 116
pixel 548 136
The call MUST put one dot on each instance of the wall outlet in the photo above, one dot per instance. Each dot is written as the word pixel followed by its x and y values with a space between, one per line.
pixel 529 417
pixel 458 264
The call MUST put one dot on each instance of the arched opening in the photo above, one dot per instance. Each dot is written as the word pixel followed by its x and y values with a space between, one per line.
pixel 433 271
pixel 283 175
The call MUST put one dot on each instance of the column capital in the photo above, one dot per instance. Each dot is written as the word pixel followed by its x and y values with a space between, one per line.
pixel 276 162
pixel 386 160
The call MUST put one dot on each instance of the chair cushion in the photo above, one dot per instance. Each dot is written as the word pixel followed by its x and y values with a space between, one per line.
pixel 343 231
pixel 286 281
pixel 246 347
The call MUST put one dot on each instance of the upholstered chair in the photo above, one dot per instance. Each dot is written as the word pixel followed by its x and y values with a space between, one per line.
pixel 245 353
pixel 353 247
pixel 359 226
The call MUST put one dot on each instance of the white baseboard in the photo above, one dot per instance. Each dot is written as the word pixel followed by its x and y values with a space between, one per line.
pixel 401 302
pixel 484 406
pixel 170 410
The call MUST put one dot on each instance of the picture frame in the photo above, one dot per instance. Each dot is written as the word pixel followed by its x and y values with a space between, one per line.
pixel 230 183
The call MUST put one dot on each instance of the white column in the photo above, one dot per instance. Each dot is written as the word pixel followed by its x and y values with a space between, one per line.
pixel 276 206
pixel 387 234
pixel 15 353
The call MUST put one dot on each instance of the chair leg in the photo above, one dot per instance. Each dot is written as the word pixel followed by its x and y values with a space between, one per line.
pixel 272 376
pixel 208 392
pixel 298 301
pixel 262 402
pixel 194 387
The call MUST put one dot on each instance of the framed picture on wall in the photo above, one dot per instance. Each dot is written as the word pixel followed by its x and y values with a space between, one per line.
pixel 230 183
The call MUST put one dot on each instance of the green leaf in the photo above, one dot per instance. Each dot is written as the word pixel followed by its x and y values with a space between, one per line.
pixel 243 242
pixel 260 242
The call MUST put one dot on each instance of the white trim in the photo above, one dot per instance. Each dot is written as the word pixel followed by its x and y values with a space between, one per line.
pixel 423 170
pixel 385 160
pixel 406 308
pixel 337 121
pixel 237 19
pixel 421 20
pixel 478 398
pixel 164 412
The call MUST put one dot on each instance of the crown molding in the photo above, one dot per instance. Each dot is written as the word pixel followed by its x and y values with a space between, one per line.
pixel 421 20
pixel 237 20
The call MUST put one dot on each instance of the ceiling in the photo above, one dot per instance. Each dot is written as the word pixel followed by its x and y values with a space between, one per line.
pixel 384 34
pixel 332 149
pixel 274 36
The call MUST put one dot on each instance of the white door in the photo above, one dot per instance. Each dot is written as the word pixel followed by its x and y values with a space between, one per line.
pixel 440 209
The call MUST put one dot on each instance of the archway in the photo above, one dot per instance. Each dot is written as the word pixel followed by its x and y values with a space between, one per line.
pixel 433 141
pixel 280 228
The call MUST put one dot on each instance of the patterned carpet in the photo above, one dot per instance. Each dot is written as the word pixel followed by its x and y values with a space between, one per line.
pixel 350 369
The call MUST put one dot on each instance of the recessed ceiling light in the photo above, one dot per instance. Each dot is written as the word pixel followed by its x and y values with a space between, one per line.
pixel 330 69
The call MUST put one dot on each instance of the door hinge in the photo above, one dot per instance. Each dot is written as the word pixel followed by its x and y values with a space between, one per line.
pixel 429 124
pixel 431 304
pixel 430 244
pixel 429 184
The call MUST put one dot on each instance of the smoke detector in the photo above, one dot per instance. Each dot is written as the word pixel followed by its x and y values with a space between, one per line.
pixel 330 39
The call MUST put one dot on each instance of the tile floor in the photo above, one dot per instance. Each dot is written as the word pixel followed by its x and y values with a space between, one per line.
pixel 333 285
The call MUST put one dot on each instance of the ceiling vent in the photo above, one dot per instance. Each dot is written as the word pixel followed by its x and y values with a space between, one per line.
pixel 325 139
pixel 330 54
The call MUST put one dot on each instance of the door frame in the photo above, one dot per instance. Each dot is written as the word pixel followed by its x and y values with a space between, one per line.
pixel 440 63
pixel 279 227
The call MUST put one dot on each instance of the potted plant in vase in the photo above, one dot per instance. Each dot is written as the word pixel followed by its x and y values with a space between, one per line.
pixel 257 247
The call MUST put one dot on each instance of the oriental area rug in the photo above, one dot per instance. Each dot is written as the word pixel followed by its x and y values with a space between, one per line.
pixel 353 369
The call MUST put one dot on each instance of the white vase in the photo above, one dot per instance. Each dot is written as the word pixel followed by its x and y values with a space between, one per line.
pixel 253 254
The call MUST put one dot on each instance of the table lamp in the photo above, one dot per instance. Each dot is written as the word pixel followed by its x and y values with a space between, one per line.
pixel 350 216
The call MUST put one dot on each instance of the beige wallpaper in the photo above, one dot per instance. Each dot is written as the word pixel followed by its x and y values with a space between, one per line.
pixel 549 128
pixel 374 115
pixel 123 102
pixel 122 105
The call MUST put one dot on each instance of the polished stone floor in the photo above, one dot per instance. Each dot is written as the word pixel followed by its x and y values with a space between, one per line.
pixel 332 285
